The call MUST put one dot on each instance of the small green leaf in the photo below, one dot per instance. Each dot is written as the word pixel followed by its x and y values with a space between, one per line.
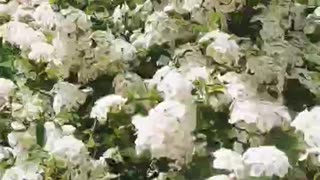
pixel 40 133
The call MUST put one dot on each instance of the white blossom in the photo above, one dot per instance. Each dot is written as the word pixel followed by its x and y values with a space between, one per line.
pixel 165 132
pixel 26 171
pixel 229 160
pixel 308 122
pixel 172 84
pixel 21 35
pixel 104 105
pixel 17 126
pixel 67 96
pixel 198 73
pixel 45 16
pixel 41 51
pixel 265 115
pixel 69 148
pixel 5 153
pixel 222 47
pixel 6 88
pixel 52 134
pixel 122 50
pixel 159 29
pixel 22 141
pixel 266 161
pixel 182 6
pixel 238 86
pixel 9 8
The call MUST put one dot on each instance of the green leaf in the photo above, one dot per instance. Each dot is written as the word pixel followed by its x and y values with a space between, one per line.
pixel 6 64
pixel 40 133
pixel 91 143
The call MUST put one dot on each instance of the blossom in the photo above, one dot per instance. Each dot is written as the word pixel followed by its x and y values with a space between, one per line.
pixel 69 148
pixel 266 161
pixel 9 8
pixel 22 141
pixel 52 134
pixel 122 50
pixel 5 153
pixel 41 51
pixel 265 115
pixel 165 132
pixel 229 160
pixel 222 48
pixel 28 170
pixel 238 86
pixel 17 126
pixel 45 16
pixel 172 84
pixel 308 122
pixel 67 96
pixel 182 6
pixel 21 35
pixel 198 73
pixel 28 105
pixel 6 88
pixel 159 29
pixel 104 105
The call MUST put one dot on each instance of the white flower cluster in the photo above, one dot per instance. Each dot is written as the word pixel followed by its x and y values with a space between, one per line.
pixel 104 105
pixel 166 131
pixel 221 47
pixel 6 87
pixel 249 108
pixel 255 162
pixel 307 122
pixel 86 92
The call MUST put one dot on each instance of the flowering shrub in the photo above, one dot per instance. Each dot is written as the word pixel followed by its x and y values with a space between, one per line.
pixel 159 89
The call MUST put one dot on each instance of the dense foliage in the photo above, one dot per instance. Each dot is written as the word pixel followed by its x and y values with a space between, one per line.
pixel 159 89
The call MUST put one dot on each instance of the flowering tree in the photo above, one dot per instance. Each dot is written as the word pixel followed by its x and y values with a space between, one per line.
pixel 159 89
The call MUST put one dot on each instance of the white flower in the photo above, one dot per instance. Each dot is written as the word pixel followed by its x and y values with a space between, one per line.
pixel 67 96
pixel 308 122
pixel 68 130
pixel 17 126
pixel 222 48
pixel 182 6
pixel 67 26
pixel 21 35
pixel 159 29
pixel 266 161
pixel 52 134
pixel 172 84
pixel 219 177
pixel 22 14
pixel 122 50
pixel 6 88
pixel 229 160
pixel 265 115
pixel 104 105
pixel 198 73
pixel 4 153
pixel 119 15
pixel 45 16
pixel 165 132
pixel 27 171
pixel 69 148
pixel 22 141
pixel 41 51
pixel 238 86
pixel 28 105
pixel 9 8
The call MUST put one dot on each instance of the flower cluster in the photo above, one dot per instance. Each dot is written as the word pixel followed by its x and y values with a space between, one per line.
pixel 146 89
